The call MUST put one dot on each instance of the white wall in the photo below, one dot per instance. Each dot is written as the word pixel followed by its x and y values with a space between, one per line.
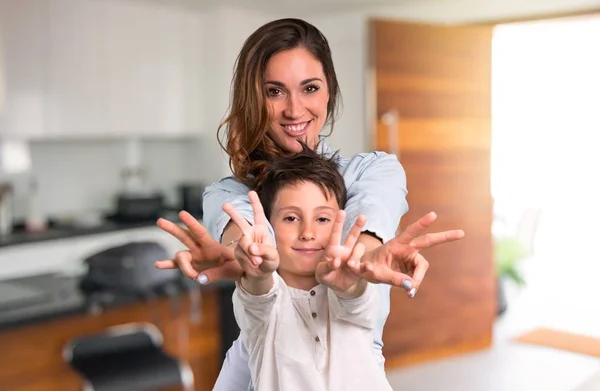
pixel 78 175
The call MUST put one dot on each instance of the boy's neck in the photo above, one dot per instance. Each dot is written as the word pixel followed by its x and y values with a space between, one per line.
pixel 304 283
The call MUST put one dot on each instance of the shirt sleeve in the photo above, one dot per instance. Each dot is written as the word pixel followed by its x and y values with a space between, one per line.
pixel 235 372
pixel 252 313
pixel 362 310
pixel 377 190
pixel 226 190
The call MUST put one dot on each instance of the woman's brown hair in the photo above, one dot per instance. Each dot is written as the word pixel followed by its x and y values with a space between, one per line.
pixel 248 145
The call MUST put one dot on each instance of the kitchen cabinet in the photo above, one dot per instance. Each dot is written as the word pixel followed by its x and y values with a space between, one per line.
pixel 151 66
pixel 22 46
pixel 101 69
pixel 76 69
pixel 66 255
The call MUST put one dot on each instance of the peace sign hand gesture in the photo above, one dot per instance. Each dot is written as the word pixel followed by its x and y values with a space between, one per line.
pixel 340 268
pixel 205 260
pixel 255 250
pixel 399 261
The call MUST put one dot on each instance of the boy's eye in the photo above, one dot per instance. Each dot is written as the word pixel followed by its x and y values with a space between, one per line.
pixel 323 219
pixel 290 218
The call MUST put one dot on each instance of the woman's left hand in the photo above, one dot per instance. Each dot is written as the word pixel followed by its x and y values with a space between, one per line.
pixel 398 262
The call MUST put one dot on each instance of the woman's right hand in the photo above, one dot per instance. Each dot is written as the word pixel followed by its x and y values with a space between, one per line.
pixel 205 260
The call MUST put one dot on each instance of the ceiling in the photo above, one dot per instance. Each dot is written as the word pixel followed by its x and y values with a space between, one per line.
pixel 452 10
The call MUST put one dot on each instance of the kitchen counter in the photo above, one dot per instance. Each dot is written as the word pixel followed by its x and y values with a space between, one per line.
pixel 198 331
pixel 32 360
pixel 20 236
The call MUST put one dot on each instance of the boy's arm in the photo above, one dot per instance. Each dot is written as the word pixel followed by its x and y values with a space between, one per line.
pixel 252 313
pixel 354 291
pixel 360 310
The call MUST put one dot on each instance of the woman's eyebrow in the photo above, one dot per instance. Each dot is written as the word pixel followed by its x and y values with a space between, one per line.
pixel 303 82
pixel 310 80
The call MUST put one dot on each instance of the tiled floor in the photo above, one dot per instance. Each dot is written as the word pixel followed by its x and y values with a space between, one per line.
pixel 505 367
pixel 561 293
pixel 508 365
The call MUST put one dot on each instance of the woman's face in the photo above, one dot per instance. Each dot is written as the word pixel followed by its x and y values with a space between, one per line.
pixel 297 96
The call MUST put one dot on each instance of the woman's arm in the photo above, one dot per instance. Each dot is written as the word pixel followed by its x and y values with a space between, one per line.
pixel 218 223
pixel 376 188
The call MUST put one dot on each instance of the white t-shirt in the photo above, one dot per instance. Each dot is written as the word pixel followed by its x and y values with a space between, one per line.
pixel 310 340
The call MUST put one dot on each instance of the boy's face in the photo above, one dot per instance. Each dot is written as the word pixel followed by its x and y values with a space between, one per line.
pixel 302 218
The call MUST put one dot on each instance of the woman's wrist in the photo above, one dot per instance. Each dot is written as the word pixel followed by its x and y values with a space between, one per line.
pixel 369 240
pixel 231 234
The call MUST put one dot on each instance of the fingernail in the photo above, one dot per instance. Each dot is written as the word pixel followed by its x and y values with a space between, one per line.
pixel 202 279
pixel 407 284
pixel 412 292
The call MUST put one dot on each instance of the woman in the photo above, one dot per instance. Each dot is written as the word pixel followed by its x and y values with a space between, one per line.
pixel 285 89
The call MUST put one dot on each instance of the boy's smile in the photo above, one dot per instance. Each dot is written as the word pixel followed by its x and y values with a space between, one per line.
pixel 302 217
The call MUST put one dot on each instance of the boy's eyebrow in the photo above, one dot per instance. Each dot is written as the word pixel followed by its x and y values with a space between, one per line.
pixel 325 207
pixel 295 208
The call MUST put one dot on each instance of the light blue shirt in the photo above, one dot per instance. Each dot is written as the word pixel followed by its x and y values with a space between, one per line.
pixel 376 186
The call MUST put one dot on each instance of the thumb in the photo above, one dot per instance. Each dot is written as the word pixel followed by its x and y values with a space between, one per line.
pixel 265 251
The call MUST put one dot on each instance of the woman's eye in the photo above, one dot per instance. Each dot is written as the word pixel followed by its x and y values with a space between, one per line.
pixel 274 92
pixel 312 88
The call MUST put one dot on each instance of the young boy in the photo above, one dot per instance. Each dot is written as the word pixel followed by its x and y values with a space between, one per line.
pixel 304 312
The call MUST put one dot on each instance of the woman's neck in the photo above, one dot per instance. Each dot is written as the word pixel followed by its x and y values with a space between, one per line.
pixel 295 281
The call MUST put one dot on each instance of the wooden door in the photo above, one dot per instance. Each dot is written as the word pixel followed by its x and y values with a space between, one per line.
pixel 432 87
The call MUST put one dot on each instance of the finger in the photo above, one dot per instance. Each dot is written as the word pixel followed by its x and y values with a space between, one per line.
pixel 244 246
pixel 165 264
pixel 328 266
pixel 245 260
pixel 237 218
pixel 264 251
pixel 257 209
pixel 432 239
pixel 336 230
pixel 417 228
pixel 357 253
pixel 421 266
pixel 336 263
pixel 366 267
pixel 383 275
pixel 228 271
pixel 183 259
pixel 197 230
pixel 179 233
pixel 354 260
pixel 355 231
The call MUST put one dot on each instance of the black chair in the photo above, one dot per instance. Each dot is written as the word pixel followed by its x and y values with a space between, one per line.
pixel 127 357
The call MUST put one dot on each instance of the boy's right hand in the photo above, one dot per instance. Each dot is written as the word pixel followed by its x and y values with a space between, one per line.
pixel 256 241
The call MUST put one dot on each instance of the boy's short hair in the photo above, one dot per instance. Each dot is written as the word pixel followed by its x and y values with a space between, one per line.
pixel 304 166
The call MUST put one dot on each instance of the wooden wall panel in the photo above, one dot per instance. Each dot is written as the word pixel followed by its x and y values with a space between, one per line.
pixel 438 81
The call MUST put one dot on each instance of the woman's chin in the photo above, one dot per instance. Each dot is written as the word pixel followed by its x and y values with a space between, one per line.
pixel 294 146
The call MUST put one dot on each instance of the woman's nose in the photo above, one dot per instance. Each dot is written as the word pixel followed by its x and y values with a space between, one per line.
pixel 294 107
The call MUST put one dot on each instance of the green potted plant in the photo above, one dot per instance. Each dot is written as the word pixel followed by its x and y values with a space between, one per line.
pixel 509 251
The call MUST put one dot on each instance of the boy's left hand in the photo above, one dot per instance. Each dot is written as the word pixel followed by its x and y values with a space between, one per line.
pixel 340 267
